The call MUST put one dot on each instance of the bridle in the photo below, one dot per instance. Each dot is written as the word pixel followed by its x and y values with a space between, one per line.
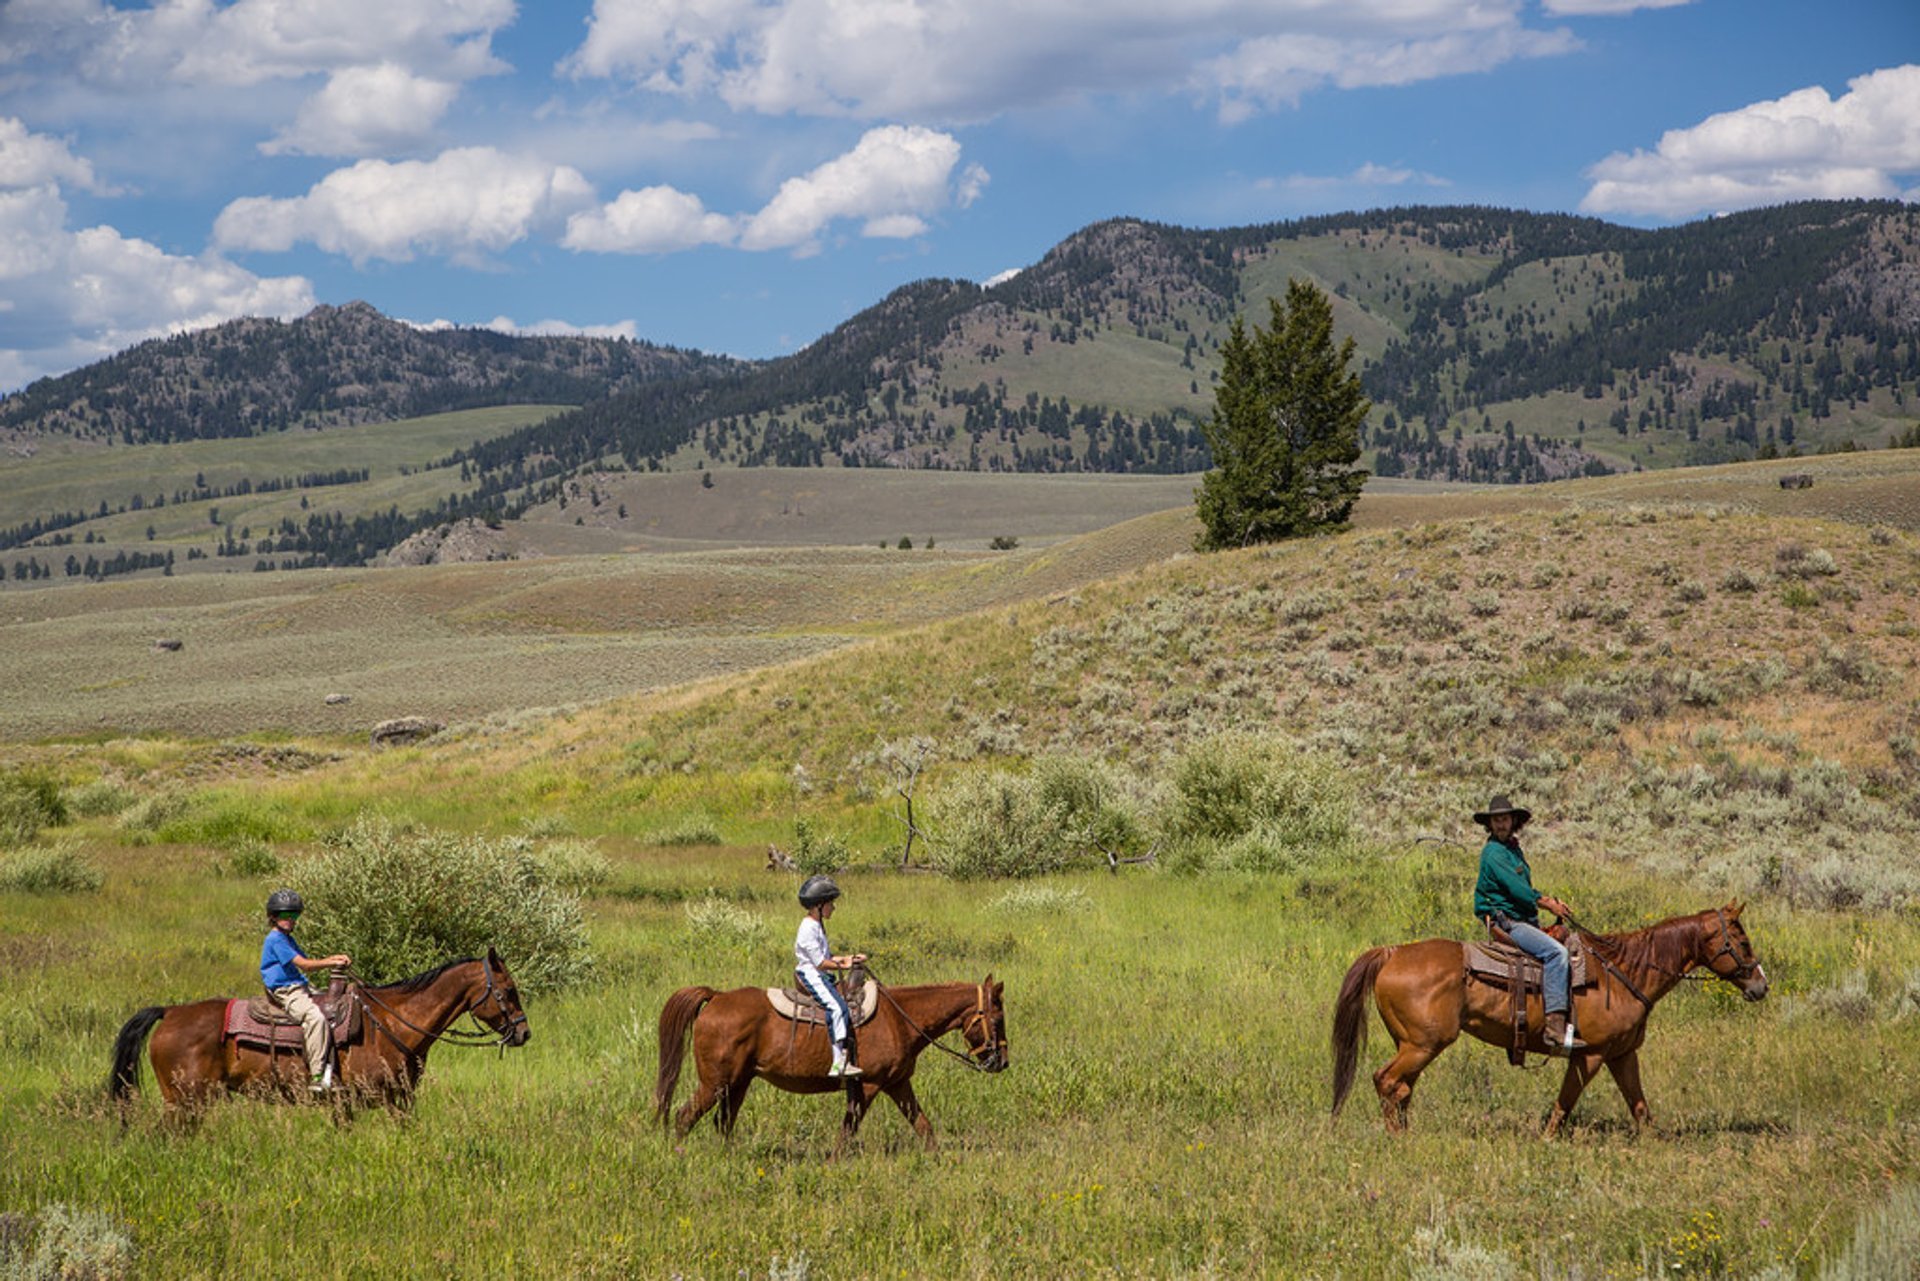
pixel 989 1055
pixel 1742 970
pixel 501 1036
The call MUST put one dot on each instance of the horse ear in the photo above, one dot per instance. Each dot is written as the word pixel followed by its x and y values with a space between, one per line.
pixel 493 957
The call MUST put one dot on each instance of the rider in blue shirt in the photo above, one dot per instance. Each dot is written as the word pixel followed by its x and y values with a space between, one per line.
pixel 283 971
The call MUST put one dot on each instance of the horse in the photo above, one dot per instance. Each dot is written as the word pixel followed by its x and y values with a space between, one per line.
pixel 194 1061
pixel 738 1036
pixel 1426 1000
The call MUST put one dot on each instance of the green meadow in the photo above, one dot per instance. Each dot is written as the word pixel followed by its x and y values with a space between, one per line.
pixel 1703 697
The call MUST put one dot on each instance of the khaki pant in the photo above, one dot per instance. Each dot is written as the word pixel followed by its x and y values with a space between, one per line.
pixel 297 999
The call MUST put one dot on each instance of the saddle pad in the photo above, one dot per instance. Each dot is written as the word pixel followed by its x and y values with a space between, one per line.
pixel 1496 961
pixel 244 1023
pixel 792 1003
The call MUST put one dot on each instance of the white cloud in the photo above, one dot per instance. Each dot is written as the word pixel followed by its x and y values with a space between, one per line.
pixel 74 297
pixel 653 220
pixel 1805 145
pixel 540 328
pixel 464 204
pixel 197 42
pixel 1606 8
pixel 1367 176
pixel 892 176
pixel 973 59
pixel 28 160
pixel 366 111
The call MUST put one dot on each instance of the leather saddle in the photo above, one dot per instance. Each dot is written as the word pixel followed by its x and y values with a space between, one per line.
pixel 1501 962
pixel 800 1006
pixel 257 1021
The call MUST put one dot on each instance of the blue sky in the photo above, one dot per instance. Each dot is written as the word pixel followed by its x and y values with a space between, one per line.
pixel 742 175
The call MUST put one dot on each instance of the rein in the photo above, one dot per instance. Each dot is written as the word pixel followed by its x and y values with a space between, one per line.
pixel 465 1038
pixel 1741 968
pixel 979 1013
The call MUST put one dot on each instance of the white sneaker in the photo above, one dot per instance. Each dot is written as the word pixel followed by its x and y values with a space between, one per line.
pixel 843 1068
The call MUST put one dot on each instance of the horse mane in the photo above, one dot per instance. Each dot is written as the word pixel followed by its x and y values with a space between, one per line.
pixel 1667 945
pixel 418 981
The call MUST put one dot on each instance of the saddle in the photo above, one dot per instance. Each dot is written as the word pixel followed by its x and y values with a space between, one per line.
pixel 800 1006
pixel 256 1021
pixel 1500 961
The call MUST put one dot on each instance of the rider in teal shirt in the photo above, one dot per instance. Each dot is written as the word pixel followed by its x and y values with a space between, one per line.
pixel 1504 897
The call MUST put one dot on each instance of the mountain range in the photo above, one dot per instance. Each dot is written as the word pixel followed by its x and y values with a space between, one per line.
pixel 1497 345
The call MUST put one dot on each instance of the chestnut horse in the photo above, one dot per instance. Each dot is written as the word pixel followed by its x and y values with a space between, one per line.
pixel 738 1036
pixel 194 1061
pixel 1426 1000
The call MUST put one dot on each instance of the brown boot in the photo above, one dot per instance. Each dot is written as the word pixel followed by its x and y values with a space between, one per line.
pixel 1555 1030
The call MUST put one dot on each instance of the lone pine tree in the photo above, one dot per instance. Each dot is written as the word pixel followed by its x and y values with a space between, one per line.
pixel 1285 431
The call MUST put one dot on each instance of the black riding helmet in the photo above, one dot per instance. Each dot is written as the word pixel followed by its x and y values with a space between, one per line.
pixel 284 903
pixel 816 890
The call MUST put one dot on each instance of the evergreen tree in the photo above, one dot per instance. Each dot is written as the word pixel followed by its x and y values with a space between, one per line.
pixel 1285 431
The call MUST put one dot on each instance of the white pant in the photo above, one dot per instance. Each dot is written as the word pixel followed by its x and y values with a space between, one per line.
pixel 839 1024
pixel 297 1000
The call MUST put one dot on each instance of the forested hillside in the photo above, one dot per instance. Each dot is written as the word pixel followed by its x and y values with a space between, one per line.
pixel 335 366
pixel 1497 346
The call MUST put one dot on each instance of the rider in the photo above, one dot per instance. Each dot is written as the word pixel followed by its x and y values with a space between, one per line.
pixel 811 954
pixel 1504 897
pixel 284 969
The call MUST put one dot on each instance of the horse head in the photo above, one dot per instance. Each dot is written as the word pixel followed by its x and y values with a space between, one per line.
pixel 985 1028
pixel 499 1009
pixel 1730 952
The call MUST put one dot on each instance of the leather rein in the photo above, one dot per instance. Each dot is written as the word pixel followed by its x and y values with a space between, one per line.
pixel 981 1013
pixel 462 1037
pixel 1742 970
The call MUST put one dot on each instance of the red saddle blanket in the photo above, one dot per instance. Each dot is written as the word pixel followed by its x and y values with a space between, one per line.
pixel 257 1021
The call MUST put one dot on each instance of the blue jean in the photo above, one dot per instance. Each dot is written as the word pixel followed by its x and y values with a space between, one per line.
pixel 1547 950
pixel 840 1024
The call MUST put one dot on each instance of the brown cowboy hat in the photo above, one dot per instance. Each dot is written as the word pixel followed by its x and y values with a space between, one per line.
pixel 1500 805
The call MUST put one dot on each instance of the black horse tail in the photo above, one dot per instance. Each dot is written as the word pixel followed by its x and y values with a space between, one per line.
pixel 676 1020
pixel 1350 1020
pixel 125 1080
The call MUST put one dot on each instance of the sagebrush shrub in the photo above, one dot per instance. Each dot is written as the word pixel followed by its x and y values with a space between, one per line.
pixel 29 801
pixel 63 1242
pixel 992 823
pixel 817 852
pixel 1236 787
pixel 59 870
pixel 717 925
pixel 402 900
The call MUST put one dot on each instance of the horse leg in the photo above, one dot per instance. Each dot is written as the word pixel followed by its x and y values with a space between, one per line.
pixel 1626 1075
pixel 730 1105
pixel 903 1095
pixel 1580 1069
pixel 859 1096
pixel 1395 1081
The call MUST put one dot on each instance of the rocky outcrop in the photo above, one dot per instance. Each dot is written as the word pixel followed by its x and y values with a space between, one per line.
pixel 461 542
pixel 402 730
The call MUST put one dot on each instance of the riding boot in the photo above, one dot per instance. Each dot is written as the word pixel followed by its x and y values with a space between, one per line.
pixel 1559 1034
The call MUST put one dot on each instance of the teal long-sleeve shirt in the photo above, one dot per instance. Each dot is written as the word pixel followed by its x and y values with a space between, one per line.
pixel 1506 884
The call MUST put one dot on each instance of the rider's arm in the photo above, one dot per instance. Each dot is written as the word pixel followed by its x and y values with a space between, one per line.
pixel 307 964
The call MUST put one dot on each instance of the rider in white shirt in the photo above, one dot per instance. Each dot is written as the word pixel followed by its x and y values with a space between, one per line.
pixel 812 954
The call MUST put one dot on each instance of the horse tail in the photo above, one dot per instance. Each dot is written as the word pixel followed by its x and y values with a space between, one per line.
pixel 1350 1020
pixel 126 1052
pixel 676 1020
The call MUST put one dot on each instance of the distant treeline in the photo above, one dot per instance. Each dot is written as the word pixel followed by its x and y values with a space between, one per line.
pixel 26 532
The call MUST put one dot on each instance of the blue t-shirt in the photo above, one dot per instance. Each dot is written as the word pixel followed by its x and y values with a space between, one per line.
pixel 276 960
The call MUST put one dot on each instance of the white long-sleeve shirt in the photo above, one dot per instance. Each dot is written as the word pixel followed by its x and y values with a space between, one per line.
pixel 810 944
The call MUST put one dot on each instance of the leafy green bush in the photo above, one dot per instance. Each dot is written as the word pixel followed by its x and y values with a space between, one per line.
pixel 689 831
pixel 1252 803
pixel 29 801
pixel 98 799
pixel 229 821
pixel 252 858
pixel 717 925
pixel 817 852
pixel 992 823
pixel 60 870
pixel 402 900
pixel 573 866
pixel 143 819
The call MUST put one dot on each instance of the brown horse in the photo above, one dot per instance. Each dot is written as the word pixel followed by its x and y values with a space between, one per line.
pixel 1426 1000
pixel 194 1061
pixel 738 1036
